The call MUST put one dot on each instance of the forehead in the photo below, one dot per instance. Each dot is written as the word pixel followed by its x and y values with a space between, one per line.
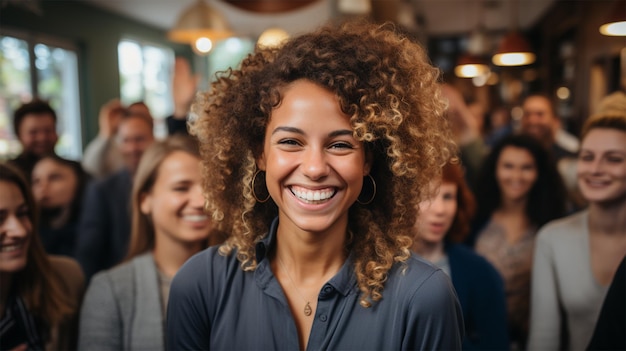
pixel 512 153
pixel 536 104
pixel 10 193
pixel 33 120
pixel 48 165
pixel 133 125
pixel 311 105
pixel 605 139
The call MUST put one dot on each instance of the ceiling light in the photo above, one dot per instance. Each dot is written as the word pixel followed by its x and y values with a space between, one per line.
pixel 199 23
pixel 513 50
pixel 615 24
pixel 470 66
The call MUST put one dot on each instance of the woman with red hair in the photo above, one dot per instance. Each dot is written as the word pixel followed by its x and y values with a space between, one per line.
pixel 443 222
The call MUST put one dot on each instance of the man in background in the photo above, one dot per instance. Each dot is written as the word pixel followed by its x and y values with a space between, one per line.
pixel 34 124
pixel 104 227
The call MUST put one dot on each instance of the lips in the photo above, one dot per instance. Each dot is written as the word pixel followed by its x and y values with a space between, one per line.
pixel 11 247
pixel 313 195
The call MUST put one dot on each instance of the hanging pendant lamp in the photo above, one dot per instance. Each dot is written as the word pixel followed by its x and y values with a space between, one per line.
pixel 513 50
pixel 200 25
pixel 615 24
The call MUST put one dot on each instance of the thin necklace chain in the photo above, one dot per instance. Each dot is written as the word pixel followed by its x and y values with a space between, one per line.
pixel 307 307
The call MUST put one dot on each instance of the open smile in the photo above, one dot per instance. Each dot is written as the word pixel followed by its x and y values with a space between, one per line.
pixel 313 196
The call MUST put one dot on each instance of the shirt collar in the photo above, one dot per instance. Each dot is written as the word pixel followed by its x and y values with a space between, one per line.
pixel 344 281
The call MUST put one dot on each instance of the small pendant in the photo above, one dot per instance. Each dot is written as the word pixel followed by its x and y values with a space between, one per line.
pixel 307 310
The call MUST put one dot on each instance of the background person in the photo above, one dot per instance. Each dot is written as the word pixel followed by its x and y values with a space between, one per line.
pixel 323 145
pixel 577 256
pixel 520 190
pixel 442 224
pixel 58 185
pixel 34 124
pixel 39 294
pixel 105 223
pixel 124 307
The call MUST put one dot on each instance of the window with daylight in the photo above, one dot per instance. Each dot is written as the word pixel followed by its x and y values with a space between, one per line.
pixel 146 75
pixel 45 68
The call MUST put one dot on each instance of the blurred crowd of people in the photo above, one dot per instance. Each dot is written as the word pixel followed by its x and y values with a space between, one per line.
pixel 530 226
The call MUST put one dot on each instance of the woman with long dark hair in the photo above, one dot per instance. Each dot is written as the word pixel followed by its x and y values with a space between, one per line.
pixel 39 294
pixel 518 191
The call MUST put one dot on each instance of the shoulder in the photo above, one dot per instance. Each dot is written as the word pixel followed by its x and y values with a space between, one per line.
pixel 564 227
pixel 207 265
pixel 416 276
pixel 470 265
pixel 70 273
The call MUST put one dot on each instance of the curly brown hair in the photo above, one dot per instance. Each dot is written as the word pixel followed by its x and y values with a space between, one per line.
pixel 388 88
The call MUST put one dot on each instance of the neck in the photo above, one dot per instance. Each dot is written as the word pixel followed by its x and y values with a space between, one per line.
pixel 608 218
pixel 169 255
pixel 311 255
pixel 431 251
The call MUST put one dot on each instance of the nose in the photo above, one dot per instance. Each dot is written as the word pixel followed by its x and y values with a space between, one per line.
pixel 596 165
pixel 314 164
pixel 14 228
pixel 437 205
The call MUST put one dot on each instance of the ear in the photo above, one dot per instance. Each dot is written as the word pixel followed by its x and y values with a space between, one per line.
pixel 145 203
pixel 369 160
pixel 261 163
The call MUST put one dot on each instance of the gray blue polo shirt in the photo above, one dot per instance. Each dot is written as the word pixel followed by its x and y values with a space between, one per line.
pixel 215 305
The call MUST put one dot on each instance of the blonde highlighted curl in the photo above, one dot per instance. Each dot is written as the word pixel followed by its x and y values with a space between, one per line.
pixel 391 93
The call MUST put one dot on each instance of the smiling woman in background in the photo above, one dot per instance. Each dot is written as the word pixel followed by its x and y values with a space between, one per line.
pixel 576 257
pixel 519 190
pixel 124 308
pixel 443 222
pixel 39 294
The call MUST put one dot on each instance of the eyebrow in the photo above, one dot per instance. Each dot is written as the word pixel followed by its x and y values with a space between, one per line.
pixel 332 134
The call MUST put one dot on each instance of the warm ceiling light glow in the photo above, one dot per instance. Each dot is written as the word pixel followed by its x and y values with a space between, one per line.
pixel 470 66
pixel 203 45
pixel 615 29
pixel 563 93
pixel 471 70
pixel 272 37
pixel 513 58
pixel 615 20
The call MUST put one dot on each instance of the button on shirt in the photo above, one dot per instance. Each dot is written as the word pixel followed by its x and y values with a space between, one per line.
pixel 215 305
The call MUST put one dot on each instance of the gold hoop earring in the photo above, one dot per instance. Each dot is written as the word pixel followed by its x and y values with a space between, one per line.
pixel 373 190
pixel 253 186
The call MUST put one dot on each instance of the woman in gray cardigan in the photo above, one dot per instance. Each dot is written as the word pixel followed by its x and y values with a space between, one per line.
pixel 124 307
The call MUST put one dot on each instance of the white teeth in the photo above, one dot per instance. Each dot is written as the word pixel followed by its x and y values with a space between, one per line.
pixel 8 248
pixel 195 218
pixel 313 195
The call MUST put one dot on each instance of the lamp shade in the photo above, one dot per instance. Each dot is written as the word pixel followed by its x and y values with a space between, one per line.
pixel 615 23
pixel 470 66
pixel 513 50
pixel 200 21
pixel 272 38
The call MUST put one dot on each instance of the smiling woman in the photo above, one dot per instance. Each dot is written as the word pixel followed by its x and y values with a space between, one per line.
pixel 580 253
pixel 169 225
pixel 343 128
pixel 39 294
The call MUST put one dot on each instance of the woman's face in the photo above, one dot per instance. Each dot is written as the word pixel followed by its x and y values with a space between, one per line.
pixel 15 228
pixel 601 166
pixel 54 184
pixel 175 203
pixel 516 173
pixel 314 166
pixel 437 213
